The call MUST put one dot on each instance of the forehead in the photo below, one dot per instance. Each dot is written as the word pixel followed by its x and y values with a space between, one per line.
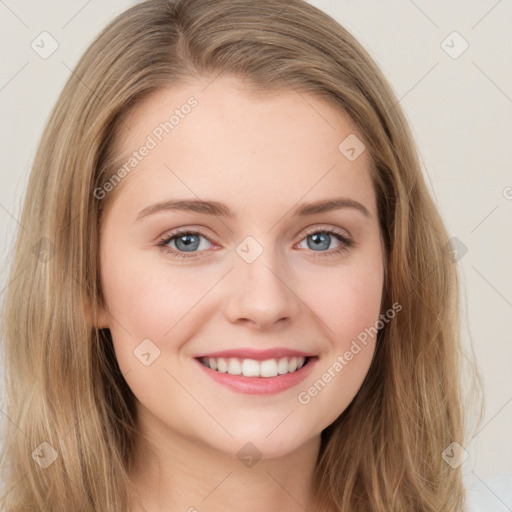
pixel 222 139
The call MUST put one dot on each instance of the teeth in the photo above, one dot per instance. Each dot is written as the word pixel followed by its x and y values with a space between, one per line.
pixel 268 368
pixel 282 366
pixel 250 368
pixel 222 366
pixel 253 368
pixel 234 366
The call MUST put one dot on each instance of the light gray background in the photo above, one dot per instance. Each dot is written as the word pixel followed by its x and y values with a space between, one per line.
pixel 459 109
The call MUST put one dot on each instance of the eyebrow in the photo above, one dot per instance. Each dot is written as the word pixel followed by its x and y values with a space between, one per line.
pixel 222 210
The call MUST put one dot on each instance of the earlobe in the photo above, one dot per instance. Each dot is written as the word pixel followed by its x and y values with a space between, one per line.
pixel 101 320
pixel 97 317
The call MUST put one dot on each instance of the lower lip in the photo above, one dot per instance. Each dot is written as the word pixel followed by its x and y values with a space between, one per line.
pixel 260 385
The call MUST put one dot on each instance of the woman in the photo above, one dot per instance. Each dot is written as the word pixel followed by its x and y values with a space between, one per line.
pixel 175 340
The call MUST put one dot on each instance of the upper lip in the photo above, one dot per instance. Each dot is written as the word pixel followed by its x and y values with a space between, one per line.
pixel 257 354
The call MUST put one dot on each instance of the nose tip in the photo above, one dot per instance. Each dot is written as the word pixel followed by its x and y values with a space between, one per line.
pixel 259 296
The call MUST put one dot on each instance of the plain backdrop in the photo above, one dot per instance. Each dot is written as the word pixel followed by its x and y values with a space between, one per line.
pixel 450 66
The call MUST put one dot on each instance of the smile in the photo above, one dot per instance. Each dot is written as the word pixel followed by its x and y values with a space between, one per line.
pixel 254 371
pixel 252 367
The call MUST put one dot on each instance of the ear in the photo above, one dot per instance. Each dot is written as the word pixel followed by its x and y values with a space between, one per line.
pixel 102 318
pixel 98 317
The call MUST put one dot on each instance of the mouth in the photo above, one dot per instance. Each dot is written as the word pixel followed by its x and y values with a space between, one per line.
pixel 257 372
pixel 254 368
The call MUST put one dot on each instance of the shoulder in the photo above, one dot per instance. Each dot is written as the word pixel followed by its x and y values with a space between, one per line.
pixel 493 494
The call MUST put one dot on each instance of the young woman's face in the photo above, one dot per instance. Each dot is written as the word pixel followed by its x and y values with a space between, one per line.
pixel 253 294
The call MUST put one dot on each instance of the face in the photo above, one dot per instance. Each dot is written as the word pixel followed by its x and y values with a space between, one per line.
pixel 236 293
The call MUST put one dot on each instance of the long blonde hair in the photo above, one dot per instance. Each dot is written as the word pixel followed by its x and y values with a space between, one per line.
pixel 70 432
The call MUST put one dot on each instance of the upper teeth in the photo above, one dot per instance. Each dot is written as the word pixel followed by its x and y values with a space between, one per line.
pixel 254 368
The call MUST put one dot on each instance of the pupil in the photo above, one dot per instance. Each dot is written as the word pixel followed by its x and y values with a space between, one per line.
pixel 320 240
pixel 185 242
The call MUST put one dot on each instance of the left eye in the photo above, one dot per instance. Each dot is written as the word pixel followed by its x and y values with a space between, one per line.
pixel 321 239
pixel 190 241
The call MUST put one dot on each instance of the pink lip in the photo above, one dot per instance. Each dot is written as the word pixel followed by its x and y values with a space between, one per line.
pixel 259 385
pixel 257 354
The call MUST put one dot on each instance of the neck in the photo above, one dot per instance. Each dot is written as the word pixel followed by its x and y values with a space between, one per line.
pixel 175 473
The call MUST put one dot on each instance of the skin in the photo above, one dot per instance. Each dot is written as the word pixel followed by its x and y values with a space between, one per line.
pixel 262 156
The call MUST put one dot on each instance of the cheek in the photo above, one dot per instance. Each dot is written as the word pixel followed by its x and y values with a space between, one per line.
pixel 349 310
pixel 148 299
pixel 347 300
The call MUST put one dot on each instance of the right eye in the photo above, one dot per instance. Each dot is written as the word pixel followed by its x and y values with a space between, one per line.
pixel 185 241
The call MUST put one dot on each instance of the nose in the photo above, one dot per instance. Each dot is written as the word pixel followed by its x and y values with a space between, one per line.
pixel 260 294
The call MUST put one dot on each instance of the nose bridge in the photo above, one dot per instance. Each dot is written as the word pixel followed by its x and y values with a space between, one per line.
pixel 258 290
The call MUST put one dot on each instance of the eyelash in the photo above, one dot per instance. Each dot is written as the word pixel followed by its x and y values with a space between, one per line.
pixel 346 243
